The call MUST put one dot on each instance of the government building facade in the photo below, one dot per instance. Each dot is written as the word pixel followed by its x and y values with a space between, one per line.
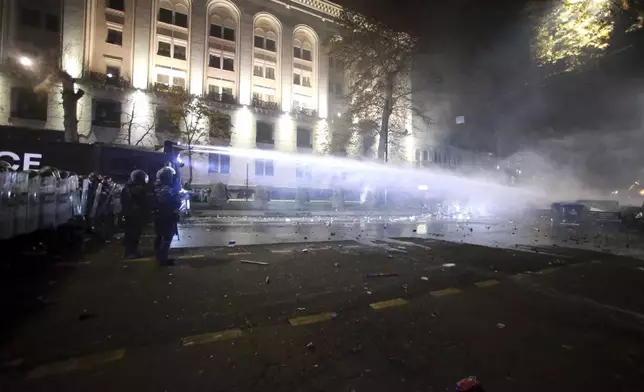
pixel 263 62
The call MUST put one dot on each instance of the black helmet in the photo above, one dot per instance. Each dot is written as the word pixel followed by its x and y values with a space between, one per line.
pixel 166 175
pixel 49 171
pixel 139 177
pixel 94 177
pixel 5 167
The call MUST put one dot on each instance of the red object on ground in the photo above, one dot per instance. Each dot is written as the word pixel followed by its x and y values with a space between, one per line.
pixel 467 384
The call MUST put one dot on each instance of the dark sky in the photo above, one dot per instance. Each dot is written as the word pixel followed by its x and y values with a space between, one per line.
pixel 481 51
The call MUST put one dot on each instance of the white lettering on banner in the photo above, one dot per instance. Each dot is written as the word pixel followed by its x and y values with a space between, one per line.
pixel 30 159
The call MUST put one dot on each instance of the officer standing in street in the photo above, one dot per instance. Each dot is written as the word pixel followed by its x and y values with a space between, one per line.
pixel 166 213
pixel 135 204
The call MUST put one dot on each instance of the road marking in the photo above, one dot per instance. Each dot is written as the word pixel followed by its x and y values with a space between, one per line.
pixel 548 270
pixel 351 246
pixel 137 260
pixel 239 254
pixel 77 363
pixel 211 337
pixel 184 257
pixel 518 276
pixel 595 262
pixel 72 264
pixel 577 265
pixel 389 304
pixel 282 251
pixel 444 292
pixel 486 283
pixel 314 318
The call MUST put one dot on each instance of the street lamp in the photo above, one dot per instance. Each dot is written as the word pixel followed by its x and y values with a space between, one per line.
pixel 25 61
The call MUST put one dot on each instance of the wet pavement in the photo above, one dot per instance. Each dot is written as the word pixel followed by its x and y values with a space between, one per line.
pixel 496 232
pixel 380 306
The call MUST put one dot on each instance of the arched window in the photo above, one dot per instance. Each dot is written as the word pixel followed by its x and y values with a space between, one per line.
pixel 222 48
pixel 305 43
pixel 302 50
pixel 266 39
pixel 172 43
pixel 173 14
pixel 222 26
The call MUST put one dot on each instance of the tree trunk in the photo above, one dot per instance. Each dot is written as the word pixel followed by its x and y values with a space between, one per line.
pixel 189 164
pixel 383 143
pixel 70 101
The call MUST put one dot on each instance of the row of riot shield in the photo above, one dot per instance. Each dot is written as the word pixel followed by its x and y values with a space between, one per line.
pixel 37 200
pixel 48 199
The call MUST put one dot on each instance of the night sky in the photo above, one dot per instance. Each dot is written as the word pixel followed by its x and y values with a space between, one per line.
pixel 480 52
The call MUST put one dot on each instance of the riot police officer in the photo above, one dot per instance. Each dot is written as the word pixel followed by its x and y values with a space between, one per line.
pixel 135 210
pixel 166 213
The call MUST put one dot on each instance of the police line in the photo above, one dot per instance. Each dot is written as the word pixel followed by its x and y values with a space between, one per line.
pixel 47 199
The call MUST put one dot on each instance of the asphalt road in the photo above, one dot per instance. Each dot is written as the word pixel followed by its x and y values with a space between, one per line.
pixel 521 317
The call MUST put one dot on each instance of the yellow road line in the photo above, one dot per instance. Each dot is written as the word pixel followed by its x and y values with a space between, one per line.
pixel 389 304
pixel 548 270
pixel 518 276
pixel 444 292
pixel 314 318
pixel 211 337
pixel 184 257
pixel 239 254
pixel 78 363
pixel 486 283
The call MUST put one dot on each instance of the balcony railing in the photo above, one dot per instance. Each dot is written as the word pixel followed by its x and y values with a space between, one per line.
pixel 304 111
pixel 268 105
pixel 98 79
pixel 164 88
pixel 223 98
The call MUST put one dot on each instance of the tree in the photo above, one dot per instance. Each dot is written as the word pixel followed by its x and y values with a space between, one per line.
pixel 379 62
pixel 574 32
pixel 196 121
pixel 134 131
pixel 45 73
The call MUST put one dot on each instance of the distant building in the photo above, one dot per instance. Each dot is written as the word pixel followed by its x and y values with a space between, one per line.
pixel 261 61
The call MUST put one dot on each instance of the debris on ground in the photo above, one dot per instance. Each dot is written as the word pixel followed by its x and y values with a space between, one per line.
pixel 382 275
pixel 449 265
pixel 468 384
pixel 500 325
pixel 232 242
pixel 305 250
pixel 254 262
pixel 424 278
pixel 13 363
pixel 86 315
pixel 268 280
pixel 310 346
pixel 336 265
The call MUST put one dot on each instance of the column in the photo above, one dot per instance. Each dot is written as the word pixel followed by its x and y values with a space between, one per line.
pixel 287 68
pixel 245 59
pixel 323 82
pixel 73 36
pixel 197 46
pixel 141 44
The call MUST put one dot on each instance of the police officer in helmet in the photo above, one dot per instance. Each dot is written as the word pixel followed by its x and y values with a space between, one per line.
pixel 135 205
pixel 166 213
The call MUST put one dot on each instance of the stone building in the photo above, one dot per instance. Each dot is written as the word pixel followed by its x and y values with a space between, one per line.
pixel 261 61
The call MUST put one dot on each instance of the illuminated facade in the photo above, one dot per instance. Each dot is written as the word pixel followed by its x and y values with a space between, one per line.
pixel 261 61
